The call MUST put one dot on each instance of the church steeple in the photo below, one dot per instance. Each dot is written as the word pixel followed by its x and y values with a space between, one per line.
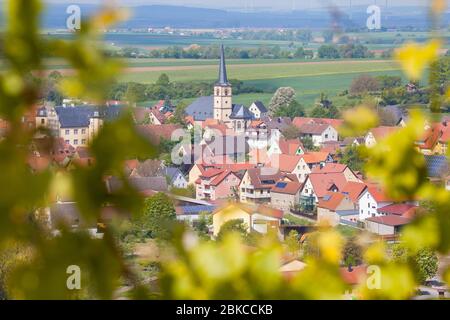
pixel 223 95
pixel 223 79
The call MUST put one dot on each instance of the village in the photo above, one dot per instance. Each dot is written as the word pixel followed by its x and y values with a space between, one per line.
pixel 241 168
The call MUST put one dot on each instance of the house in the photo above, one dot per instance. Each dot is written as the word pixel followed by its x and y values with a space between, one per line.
pixel 290 164
pixel 155 133
pixel 214 184
pixel 175 177
pixel 258 109
pixel 444 138
pixel 257 218
pixel 405 210
pixel 76 125
pixel 389 225
pixel 300 121
pixel 372 199
pixel 285 195
pixel 377 134
pixel 285 146
pixel 427 143
pixel 319 133
pixel 332 178
pixel 257 183
pixel 334 205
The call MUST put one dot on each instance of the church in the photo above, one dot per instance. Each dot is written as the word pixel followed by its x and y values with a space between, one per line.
pixel 220 105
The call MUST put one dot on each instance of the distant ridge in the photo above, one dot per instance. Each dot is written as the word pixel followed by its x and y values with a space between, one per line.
pixel 159 16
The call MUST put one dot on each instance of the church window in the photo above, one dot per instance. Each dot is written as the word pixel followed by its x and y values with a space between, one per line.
pixel 239 125
pixel 226 92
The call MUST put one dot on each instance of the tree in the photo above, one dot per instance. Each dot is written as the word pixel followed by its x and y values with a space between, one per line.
pixel 328 52
pixel 163 80
pixel 328 35
pixel 235 226
pixel 351 156
pixel 158 216
pixel 292 110
pixel 352 253
pixel 325 109
pixel 201 226
pixel 389 82
pixel 292 242
pixel 425 262
pixel 308 143
pixel 179 114
pixel 284 96
pixel 364 84
pixel 291 132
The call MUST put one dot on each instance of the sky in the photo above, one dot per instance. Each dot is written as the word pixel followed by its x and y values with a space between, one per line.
pixel 256 4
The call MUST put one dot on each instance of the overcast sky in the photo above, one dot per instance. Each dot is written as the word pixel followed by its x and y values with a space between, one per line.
pixel 268 4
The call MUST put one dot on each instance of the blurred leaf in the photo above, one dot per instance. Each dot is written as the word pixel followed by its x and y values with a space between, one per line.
pixel 415 58
pixel 358 121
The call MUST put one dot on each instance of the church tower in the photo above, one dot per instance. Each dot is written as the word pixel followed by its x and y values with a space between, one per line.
pixel 223 95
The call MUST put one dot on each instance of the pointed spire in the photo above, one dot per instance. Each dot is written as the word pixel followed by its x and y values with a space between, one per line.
pixel 223 79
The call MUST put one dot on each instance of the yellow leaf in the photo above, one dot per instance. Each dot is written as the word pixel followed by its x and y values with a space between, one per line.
pixel 330 244
pixel 414 58
pixel 358 121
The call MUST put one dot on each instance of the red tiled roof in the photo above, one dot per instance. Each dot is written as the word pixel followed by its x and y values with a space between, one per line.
pixel 377 193
pixel 261 178
pixel 400 209
pixel 335 123
pixel 390 220
pixel 313 128
pixel 285 162
pixel 290 188
pixel 331 200
pixel 155 132
pixel 322 182
pixel 383 131
pixel 330 168
pixel 354 190
pixel 132 164
pixel 315 157
pixel 289 146
pixel 430 137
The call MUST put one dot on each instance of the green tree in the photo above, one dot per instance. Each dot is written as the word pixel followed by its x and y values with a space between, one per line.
pixel 291 132
pixel 364 84
pixel 292 110
pixel 352 253
pixel 351 156
pixel 425 262
pixel 202 225
pixel 292 242
pixel 325 109
pixel 233 226
pixel 308 143
pixel 328 52
pixel 158 216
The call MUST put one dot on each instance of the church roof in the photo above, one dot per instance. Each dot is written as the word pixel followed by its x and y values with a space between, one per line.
pixel 201 109
pixel 241 112
pixel 223 79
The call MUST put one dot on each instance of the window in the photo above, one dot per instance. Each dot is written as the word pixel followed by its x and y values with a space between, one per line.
pixel 83 141
pixel 67 132
pixel 326 136
pixel 67 141
pixel 75 142
pixel 226 92
pixel 368 205
pixel 42 121
pixel 83 131
pixel 75 131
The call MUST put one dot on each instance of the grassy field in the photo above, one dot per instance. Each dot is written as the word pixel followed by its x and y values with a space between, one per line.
pixel 256 71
